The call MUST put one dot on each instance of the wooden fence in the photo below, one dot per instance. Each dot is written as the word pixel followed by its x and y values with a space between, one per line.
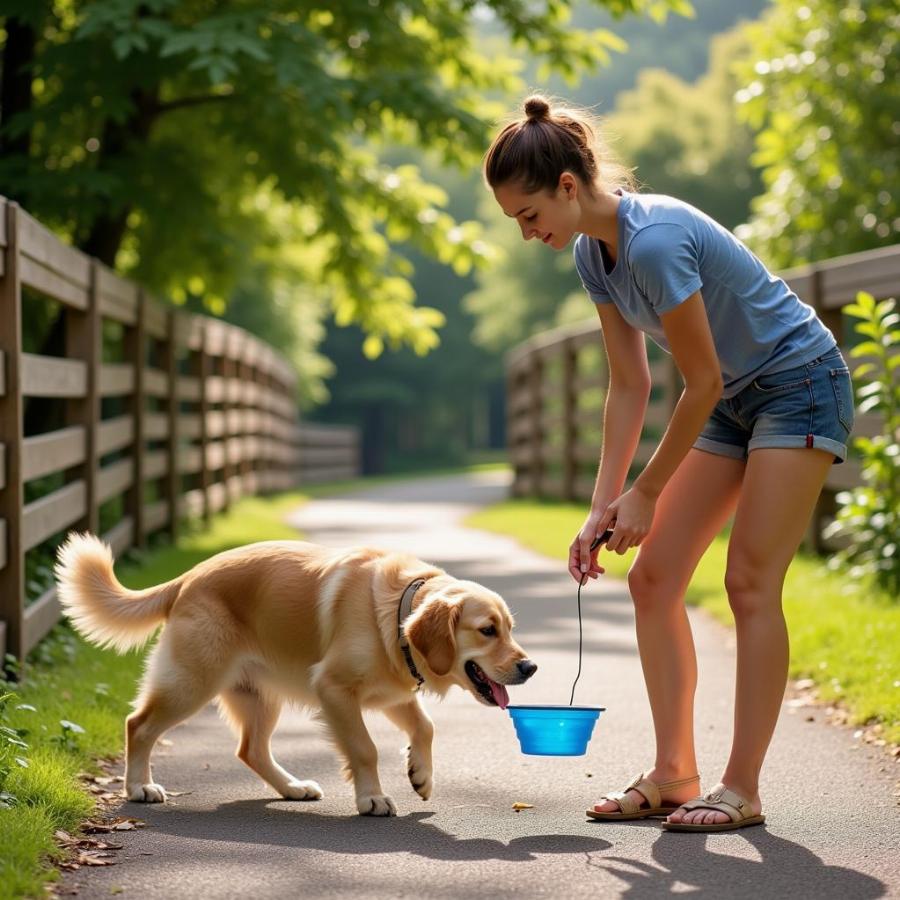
pixel 166 415
pixel 556 384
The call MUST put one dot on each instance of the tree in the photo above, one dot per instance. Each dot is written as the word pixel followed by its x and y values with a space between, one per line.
pixel 685 138
pixel 160 135
pixel 823 93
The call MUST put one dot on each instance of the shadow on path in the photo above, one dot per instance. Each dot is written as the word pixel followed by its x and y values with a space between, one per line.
pixel 685 864
pixel 681 863
pixel 280 824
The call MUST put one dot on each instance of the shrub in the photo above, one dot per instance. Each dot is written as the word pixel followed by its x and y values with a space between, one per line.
pixel 870 515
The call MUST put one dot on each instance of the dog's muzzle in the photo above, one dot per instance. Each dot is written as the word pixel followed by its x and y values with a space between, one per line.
pixel 492 692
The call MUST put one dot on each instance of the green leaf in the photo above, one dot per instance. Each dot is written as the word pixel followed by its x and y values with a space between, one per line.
pixel 71 726
pixel 866 348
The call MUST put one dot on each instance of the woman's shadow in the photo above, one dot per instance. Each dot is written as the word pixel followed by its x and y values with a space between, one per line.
pixel 687 864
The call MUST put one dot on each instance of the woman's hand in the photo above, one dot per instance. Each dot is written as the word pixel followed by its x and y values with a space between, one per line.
pixel 630 517
pixel 581 561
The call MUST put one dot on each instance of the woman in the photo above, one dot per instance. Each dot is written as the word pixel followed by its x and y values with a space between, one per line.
pixel 766 410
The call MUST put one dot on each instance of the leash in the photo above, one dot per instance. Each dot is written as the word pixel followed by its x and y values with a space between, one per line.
pixel 600 539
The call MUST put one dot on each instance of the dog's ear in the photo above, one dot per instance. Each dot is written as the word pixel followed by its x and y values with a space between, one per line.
pixel 432 632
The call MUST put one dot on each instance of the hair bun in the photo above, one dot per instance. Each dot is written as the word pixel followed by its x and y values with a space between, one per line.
pixel 537 108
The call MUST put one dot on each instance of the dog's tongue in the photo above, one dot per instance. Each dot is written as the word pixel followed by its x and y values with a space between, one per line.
pixel 500 695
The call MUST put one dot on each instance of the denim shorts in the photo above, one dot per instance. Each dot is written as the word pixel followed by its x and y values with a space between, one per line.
pixel 806 406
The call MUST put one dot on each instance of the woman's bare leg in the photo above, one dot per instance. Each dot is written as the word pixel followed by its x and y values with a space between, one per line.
pixel 691 510
pixel 779 493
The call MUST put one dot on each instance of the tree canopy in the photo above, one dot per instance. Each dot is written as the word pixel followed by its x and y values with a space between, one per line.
pixel 200 146
pixel 822 91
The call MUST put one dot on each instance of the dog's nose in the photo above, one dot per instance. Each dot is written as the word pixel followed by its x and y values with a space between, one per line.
pixel 526 667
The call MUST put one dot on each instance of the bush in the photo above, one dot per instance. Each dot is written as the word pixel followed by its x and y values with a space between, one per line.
pixel 870 515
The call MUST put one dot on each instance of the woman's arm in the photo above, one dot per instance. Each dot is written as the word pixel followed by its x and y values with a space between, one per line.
pixel 626 402
pixel 690 340
pixel 623 418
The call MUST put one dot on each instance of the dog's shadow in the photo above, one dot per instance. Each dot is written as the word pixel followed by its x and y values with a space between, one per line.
pixel 277 824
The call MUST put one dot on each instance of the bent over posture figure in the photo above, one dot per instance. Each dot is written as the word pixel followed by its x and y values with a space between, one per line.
pixel 766 409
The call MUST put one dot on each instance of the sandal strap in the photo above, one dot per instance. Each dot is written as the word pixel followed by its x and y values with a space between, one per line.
pixel 723 800
pixel 626 805
pixel 646 787
pixel 673 784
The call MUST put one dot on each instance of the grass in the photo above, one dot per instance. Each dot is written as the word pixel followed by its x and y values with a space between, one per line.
pixel 847 642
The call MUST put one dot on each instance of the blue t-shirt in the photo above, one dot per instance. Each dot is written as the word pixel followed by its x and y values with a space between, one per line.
pixel 667 250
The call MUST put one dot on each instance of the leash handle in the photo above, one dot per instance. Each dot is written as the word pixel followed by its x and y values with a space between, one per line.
pixel 600 539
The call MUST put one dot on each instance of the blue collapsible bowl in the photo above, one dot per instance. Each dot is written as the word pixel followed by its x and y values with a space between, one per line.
pixel 554 730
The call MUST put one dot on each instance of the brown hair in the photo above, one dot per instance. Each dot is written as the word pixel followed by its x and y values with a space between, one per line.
pixel 536 150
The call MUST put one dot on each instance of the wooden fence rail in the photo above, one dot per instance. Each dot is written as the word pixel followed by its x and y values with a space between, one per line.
pixel 556 384
pixel 173 415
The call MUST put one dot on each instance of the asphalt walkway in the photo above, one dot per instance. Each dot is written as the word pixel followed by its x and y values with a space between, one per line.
pixel 833 827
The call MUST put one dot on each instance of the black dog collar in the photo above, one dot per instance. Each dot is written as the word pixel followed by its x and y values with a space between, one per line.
pixel 403 612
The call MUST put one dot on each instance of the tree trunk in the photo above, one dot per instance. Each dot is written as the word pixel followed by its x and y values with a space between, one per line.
pixel 105 233
pixel 15 97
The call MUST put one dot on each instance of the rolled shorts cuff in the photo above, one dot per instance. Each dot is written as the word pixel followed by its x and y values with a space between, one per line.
pixel 720 448
pixel 789 441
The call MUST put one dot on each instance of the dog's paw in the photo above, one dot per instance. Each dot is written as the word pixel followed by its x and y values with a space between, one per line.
pixel 147 793
pixel 376 805
pixel 302 790
pixel 420 774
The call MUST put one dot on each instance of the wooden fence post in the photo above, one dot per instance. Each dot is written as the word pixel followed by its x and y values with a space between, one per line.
pixel 135 350
pixel 12 490
pixel 570 420
pixel 201 369
pixel 536 386
pixel 173 405
pixel 227 467
pixel 83 342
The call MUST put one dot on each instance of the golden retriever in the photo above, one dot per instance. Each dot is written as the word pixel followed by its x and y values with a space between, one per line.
pixel 293 621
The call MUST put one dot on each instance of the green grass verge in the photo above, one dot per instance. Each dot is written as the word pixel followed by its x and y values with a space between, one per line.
pixel 847 641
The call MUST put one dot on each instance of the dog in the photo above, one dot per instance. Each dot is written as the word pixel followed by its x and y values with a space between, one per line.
pixel 337 631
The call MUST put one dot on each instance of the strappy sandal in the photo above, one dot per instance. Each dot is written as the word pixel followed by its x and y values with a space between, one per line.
pixel 733 805
pixel 629 810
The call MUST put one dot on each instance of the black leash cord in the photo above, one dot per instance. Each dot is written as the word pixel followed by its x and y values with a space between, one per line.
pixel 600 539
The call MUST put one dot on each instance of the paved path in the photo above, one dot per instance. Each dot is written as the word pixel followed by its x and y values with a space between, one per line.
pixel 229 837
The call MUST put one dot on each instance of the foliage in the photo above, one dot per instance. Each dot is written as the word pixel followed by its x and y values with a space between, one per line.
pixel 870 515
pixel 67 738
pixel 522 293
pixel 680 45
pixel 823 94
pixel 12 746
pixel 197 145
pixel 685 138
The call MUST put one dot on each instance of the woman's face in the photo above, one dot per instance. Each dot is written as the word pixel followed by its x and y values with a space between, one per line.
pixel 549 216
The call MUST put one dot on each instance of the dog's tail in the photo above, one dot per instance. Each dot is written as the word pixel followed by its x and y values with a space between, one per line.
pixel 100 608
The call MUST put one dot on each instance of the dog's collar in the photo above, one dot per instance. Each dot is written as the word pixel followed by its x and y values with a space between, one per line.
pixel 403 611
